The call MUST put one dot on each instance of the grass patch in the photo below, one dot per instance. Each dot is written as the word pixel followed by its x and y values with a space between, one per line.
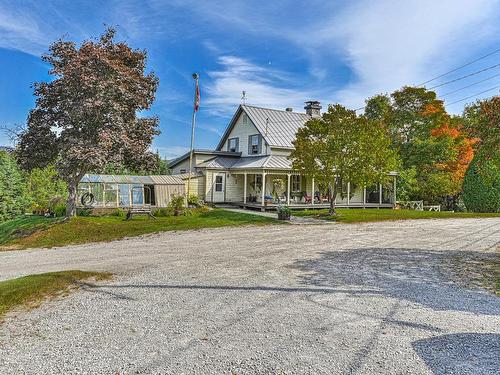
pixel 30 291
pixel 359 215
pixel 24 226
pixel 81 230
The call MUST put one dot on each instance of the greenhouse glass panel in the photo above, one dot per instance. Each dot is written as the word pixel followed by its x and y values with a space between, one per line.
pixel 134 179
pixel 94 178
pixel 108 179
pixel 98 193
pixel 82 189
pixel 137 194
pixel 124 195
pixel 121 179
pixel 111 195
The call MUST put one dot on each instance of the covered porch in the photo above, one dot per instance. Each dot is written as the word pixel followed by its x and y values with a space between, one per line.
pixel 268 189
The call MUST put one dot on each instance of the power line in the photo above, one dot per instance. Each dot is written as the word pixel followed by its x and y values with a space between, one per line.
pixel 479 93
pixel 472 84
pixel 460 67
pixel 463 77
pixel 455 80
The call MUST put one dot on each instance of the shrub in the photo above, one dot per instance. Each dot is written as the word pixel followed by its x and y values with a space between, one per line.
pixel 196 211
pixel 177 204
pixel 118 212
pixel 163 212
pixel 83 211
pixel 14 199
pixel 193 200
pixel 46 189
pixel 481 190
pixel 60 210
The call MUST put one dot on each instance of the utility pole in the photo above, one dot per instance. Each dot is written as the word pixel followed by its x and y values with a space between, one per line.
pixel 196 105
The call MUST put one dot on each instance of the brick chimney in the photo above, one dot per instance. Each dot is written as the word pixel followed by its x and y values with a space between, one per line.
pixel 313 108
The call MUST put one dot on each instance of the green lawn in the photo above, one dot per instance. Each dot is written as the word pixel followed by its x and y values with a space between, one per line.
pixel 30 291
pixel 45 233
pixel 23 227
pixel 358 215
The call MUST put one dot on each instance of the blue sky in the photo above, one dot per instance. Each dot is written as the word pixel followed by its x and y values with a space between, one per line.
pixel 280 52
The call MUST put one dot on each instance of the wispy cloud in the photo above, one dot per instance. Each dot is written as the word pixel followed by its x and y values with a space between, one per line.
pixel 263 85
pixel 389 44
pixel 21 31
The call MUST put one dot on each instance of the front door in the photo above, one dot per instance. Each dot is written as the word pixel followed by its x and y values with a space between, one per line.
pixel 219 188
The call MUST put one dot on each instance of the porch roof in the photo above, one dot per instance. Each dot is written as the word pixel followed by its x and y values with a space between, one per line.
pixel 249 162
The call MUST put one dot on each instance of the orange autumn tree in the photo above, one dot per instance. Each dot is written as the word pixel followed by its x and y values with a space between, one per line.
pixel 461 152
pixel 434 148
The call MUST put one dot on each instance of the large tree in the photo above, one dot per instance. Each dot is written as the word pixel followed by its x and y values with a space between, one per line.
pixel 481 190
pixel 432 145
pixel 342 147
pixel 86 117
pixel 482 121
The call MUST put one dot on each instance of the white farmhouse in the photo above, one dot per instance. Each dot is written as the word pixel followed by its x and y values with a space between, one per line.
pixel 253 156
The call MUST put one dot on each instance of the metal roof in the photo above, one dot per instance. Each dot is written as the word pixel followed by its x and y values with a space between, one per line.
pixel 277 127
pixel 249 162
pixel 130 179
pixel 167 180
pixel 181 158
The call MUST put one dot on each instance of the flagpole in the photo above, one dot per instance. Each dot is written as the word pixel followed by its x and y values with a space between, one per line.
pixel 193 122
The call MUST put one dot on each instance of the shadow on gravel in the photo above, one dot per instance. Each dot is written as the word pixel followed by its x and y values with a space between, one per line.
pixel 430 278
pixel 461 353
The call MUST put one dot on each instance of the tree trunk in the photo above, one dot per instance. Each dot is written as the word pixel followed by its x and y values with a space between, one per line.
pixel 72 195
pixel 332 192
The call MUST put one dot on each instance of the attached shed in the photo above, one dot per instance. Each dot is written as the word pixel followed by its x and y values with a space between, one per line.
pixel 113 191
pixel 167 186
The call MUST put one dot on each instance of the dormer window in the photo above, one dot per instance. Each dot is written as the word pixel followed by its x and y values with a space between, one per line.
pixel 233 144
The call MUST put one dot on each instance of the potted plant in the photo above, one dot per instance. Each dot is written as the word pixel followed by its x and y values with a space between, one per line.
pixel 284 212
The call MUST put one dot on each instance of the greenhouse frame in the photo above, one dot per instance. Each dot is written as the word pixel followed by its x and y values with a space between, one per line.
pixel 114 191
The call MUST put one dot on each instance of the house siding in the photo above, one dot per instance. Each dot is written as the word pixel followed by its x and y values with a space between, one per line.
pixel 234 187
pixel 196 187
pixel 242 132
pixel 209 177
pixel 197 160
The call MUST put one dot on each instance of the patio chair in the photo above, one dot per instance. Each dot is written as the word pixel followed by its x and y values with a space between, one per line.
pixel 307 198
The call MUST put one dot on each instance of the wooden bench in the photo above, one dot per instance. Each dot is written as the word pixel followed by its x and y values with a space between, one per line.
pixel 139 210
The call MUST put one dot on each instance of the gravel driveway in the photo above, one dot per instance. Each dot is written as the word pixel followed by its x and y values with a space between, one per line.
pixel 303 299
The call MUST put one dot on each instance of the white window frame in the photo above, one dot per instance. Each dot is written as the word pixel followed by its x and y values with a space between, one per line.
pixel 229 148
pixel 296 183
pixel 219 184
pixel 252 145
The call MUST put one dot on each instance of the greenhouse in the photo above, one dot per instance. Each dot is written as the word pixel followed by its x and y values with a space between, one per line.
pixel 97 190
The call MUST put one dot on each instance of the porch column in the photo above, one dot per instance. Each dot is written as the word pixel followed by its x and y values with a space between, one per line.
pixel 348 193
pixel 312 193
pixel 245 188
pixel 263 187
pixel 380 193
pixel 394 193
pixel 288 189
